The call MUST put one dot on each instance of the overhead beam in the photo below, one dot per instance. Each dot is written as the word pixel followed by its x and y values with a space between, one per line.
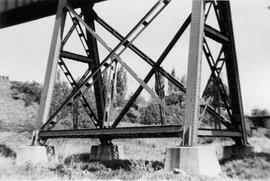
pixel 134 132
pixel 214 34
pixel 25 12
pixel 76 57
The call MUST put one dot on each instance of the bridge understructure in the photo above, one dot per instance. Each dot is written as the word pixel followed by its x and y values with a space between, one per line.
pixel 84 18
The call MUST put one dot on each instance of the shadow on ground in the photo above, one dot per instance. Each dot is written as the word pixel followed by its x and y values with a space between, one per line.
pixel 5 151
pixel 127 165
pixel 116 169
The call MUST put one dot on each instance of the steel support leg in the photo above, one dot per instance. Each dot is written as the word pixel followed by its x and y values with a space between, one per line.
pixel 194 74
pixel 93 54
pixel 48 85
pixel 232 71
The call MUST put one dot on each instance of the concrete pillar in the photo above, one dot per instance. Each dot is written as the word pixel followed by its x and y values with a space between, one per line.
pixel 35 155
pixel 107 152
pixel 199 160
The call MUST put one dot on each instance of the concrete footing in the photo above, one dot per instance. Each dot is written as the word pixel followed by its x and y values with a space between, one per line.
pixel 200 160
pixel 237 151
pixel 35 155
pixel 107 152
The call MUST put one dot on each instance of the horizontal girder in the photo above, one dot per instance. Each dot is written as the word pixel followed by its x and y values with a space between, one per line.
pixel 215 34
pixel 134 132
pixel 76 57
pixel 13 12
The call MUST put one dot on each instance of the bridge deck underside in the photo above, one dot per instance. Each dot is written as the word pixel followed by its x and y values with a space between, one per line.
pixel 13 12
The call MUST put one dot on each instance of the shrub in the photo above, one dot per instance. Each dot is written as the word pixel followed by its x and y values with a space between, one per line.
pixel 150 114
pixel 6 151
pixel 133 115
pixel 175 98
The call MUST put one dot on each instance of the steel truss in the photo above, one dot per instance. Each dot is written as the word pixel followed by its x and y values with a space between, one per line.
pixel 103 128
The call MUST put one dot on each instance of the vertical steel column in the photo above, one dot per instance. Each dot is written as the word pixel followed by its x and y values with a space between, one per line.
pixel 93 54
pixel 232 70
pixel 48 85
pixel 194 74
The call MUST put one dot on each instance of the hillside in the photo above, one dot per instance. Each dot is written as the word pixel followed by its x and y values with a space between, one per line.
pixel 16 120
pixel 11 110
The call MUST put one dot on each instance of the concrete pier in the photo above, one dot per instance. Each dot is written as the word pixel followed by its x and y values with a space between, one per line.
pixel 107 152
pixel 35 155
pixel 200 160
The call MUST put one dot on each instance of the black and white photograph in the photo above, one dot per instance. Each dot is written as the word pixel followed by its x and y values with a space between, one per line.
pixel 135 90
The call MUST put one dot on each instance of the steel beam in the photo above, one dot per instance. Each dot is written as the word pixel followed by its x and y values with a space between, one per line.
pixel 93 54
pixel 232 70
pixel 12 13
pixel 156 67
pixel 76 57
pixel 127 132
pixel 198 28
pixel 152 71
pixel 134 132
pixel 141 54
pixel 194 74
pixel 219 133
pixel 50 75
pixel 215 34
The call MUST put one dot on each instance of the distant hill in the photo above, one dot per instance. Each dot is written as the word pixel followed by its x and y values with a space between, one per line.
pixel 14 115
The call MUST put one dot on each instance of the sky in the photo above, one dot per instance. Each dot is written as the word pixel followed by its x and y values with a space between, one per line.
pixel 24 48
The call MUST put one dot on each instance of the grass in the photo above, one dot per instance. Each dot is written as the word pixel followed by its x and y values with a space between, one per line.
pixel 256 166
pixel 78 166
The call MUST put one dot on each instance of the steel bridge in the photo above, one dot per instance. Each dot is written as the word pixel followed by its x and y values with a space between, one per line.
pixel 13 12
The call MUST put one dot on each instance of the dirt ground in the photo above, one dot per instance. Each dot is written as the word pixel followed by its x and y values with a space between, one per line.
pixel 145 158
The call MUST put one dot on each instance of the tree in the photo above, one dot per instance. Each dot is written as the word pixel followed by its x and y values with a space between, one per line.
pixel 172 89
pixel 159 85
pixel 260 112
pixel 212 90
pixel 170 84
pixel 121 86
pixel 150 114
pixel 258 119
pixel 105 80
pixel 183 80
pixel 159 89
pixel 60 92
pixel 175 96
pixel 29 92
